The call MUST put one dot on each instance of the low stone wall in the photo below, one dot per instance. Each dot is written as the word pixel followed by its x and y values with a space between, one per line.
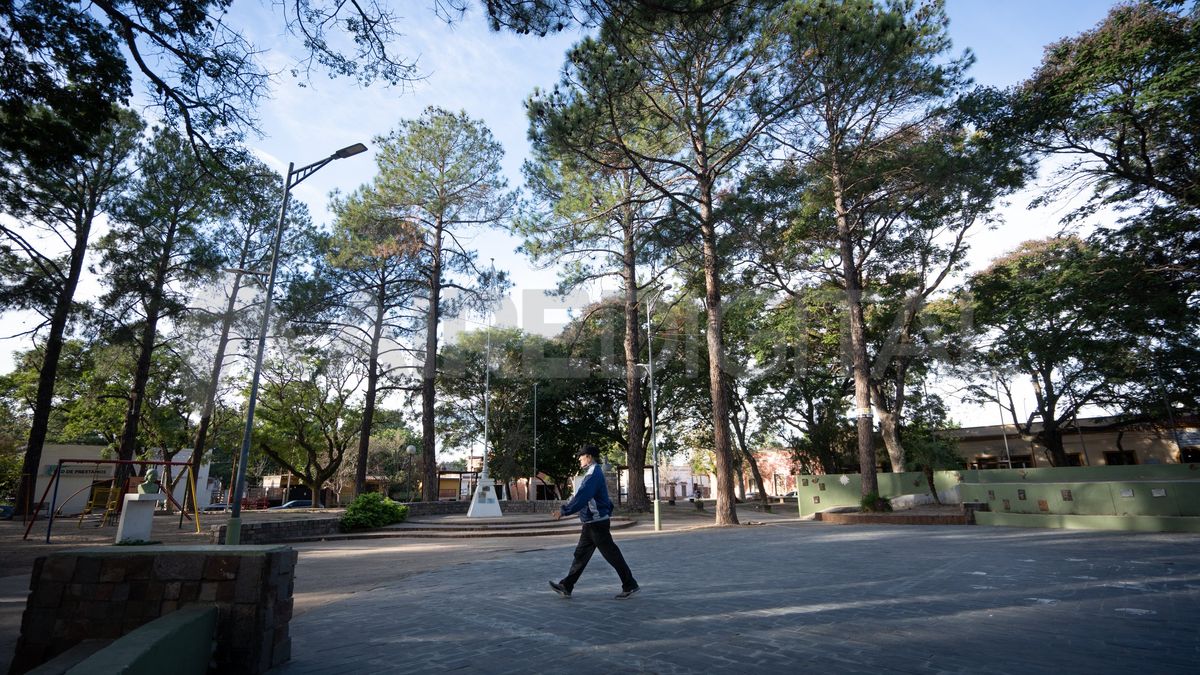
pixel 275 531
pixel 892 519
pixel 416 509
pixel 543 506
pixel 436 508
pixel 107 592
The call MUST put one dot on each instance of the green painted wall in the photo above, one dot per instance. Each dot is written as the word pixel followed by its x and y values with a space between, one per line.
pixel 1118 523
pixel 1124 498
pixel 1154 490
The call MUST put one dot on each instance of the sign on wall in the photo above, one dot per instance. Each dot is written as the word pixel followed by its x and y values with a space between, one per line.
pixel 80 470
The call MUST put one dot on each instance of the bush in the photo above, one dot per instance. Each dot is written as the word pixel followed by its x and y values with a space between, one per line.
pixel 873 503
pixel 372 510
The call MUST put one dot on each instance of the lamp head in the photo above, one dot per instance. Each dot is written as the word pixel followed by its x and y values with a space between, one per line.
pixel 350 151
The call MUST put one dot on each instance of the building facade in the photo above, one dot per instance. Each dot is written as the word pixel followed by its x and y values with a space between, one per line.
pixel 1097 441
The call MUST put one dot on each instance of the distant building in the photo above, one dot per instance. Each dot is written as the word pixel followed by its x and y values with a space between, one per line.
pixel 1098 441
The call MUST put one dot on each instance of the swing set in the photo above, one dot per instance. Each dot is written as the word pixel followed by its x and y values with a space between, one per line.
pixel 112 496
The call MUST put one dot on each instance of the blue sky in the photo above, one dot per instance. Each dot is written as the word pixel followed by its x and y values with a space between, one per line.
pixel 489 75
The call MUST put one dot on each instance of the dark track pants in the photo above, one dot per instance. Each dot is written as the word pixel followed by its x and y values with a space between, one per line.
pixel 597 536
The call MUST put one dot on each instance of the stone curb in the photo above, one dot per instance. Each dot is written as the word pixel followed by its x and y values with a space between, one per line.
pixel 427 534
pixel 885 519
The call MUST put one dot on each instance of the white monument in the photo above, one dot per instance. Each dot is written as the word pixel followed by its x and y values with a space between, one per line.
pixel 485 502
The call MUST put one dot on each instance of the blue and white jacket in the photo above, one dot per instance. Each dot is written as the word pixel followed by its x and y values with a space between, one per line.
pixel 591 497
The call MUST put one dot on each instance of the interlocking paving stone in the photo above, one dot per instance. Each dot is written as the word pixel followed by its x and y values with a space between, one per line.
pixel 797 597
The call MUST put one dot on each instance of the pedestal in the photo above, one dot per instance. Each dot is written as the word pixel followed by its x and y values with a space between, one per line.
pixel 484 503
pixel 137 517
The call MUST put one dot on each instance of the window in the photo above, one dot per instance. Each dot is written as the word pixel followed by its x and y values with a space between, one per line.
pixel 1120 457
pixel 985 462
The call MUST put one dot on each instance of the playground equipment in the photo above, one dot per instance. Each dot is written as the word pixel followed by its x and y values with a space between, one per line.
pixel 104 495
pixel 115 492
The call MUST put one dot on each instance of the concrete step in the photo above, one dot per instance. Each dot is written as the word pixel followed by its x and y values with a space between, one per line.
pixel 892 519
pixel 491 524
pixel 392 532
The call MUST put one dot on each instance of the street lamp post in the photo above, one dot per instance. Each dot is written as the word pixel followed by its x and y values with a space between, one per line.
pixel 233 531
pixel 412 469
pixel 485 502
pixel 650 370
pixel 533 479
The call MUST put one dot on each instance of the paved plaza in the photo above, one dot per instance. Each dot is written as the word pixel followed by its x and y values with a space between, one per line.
pixel 788 596
pixel 783 596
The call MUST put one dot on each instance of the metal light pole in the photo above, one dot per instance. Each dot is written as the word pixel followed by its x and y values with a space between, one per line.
pixel 1003 432
pixel 233 531
pixel 653 432
pixel 533 480
pixel 487 396
pixel 412 469
pixel 485 502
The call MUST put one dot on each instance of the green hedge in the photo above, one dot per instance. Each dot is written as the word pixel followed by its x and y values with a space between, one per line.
pixel 372 510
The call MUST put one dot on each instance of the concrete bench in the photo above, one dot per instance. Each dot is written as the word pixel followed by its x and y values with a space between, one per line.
pixel 112 593
pixel 183 639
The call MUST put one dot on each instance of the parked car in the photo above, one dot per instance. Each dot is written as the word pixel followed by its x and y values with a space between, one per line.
pixel 217 507
pixel 294 504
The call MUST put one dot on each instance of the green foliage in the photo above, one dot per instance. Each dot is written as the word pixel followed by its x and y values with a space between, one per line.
pixel 308 410
pixel 873 503
pixel 1121 102
pixel 925 447
pixel 571 406
pixel 10 474
pixel 77 60
pixel 800 381
pixel 65 70
pixel 371 510
pixel 1077 321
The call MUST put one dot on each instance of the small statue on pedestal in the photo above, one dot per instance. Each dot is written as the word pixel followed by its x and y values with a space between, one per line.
pixel 149 483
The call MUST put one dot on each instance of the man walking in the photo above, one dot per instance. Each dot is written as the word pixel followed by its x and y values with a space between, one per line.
pixel 594 507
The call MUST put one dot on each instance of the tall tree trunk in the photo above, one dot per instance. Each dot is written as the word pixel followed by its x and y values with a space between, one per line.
pixel 214 381
pixel 368 418
pixel 137 393
pixel 1052 437
pixel 635 451
pixel 49 371
pixel 740 430
pixel 1047 408
pixel 889 420
pixel 889 430
pixel 314 489
pixel 429 482
pixel 726 506
pixel 891 413
pixel 858 341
